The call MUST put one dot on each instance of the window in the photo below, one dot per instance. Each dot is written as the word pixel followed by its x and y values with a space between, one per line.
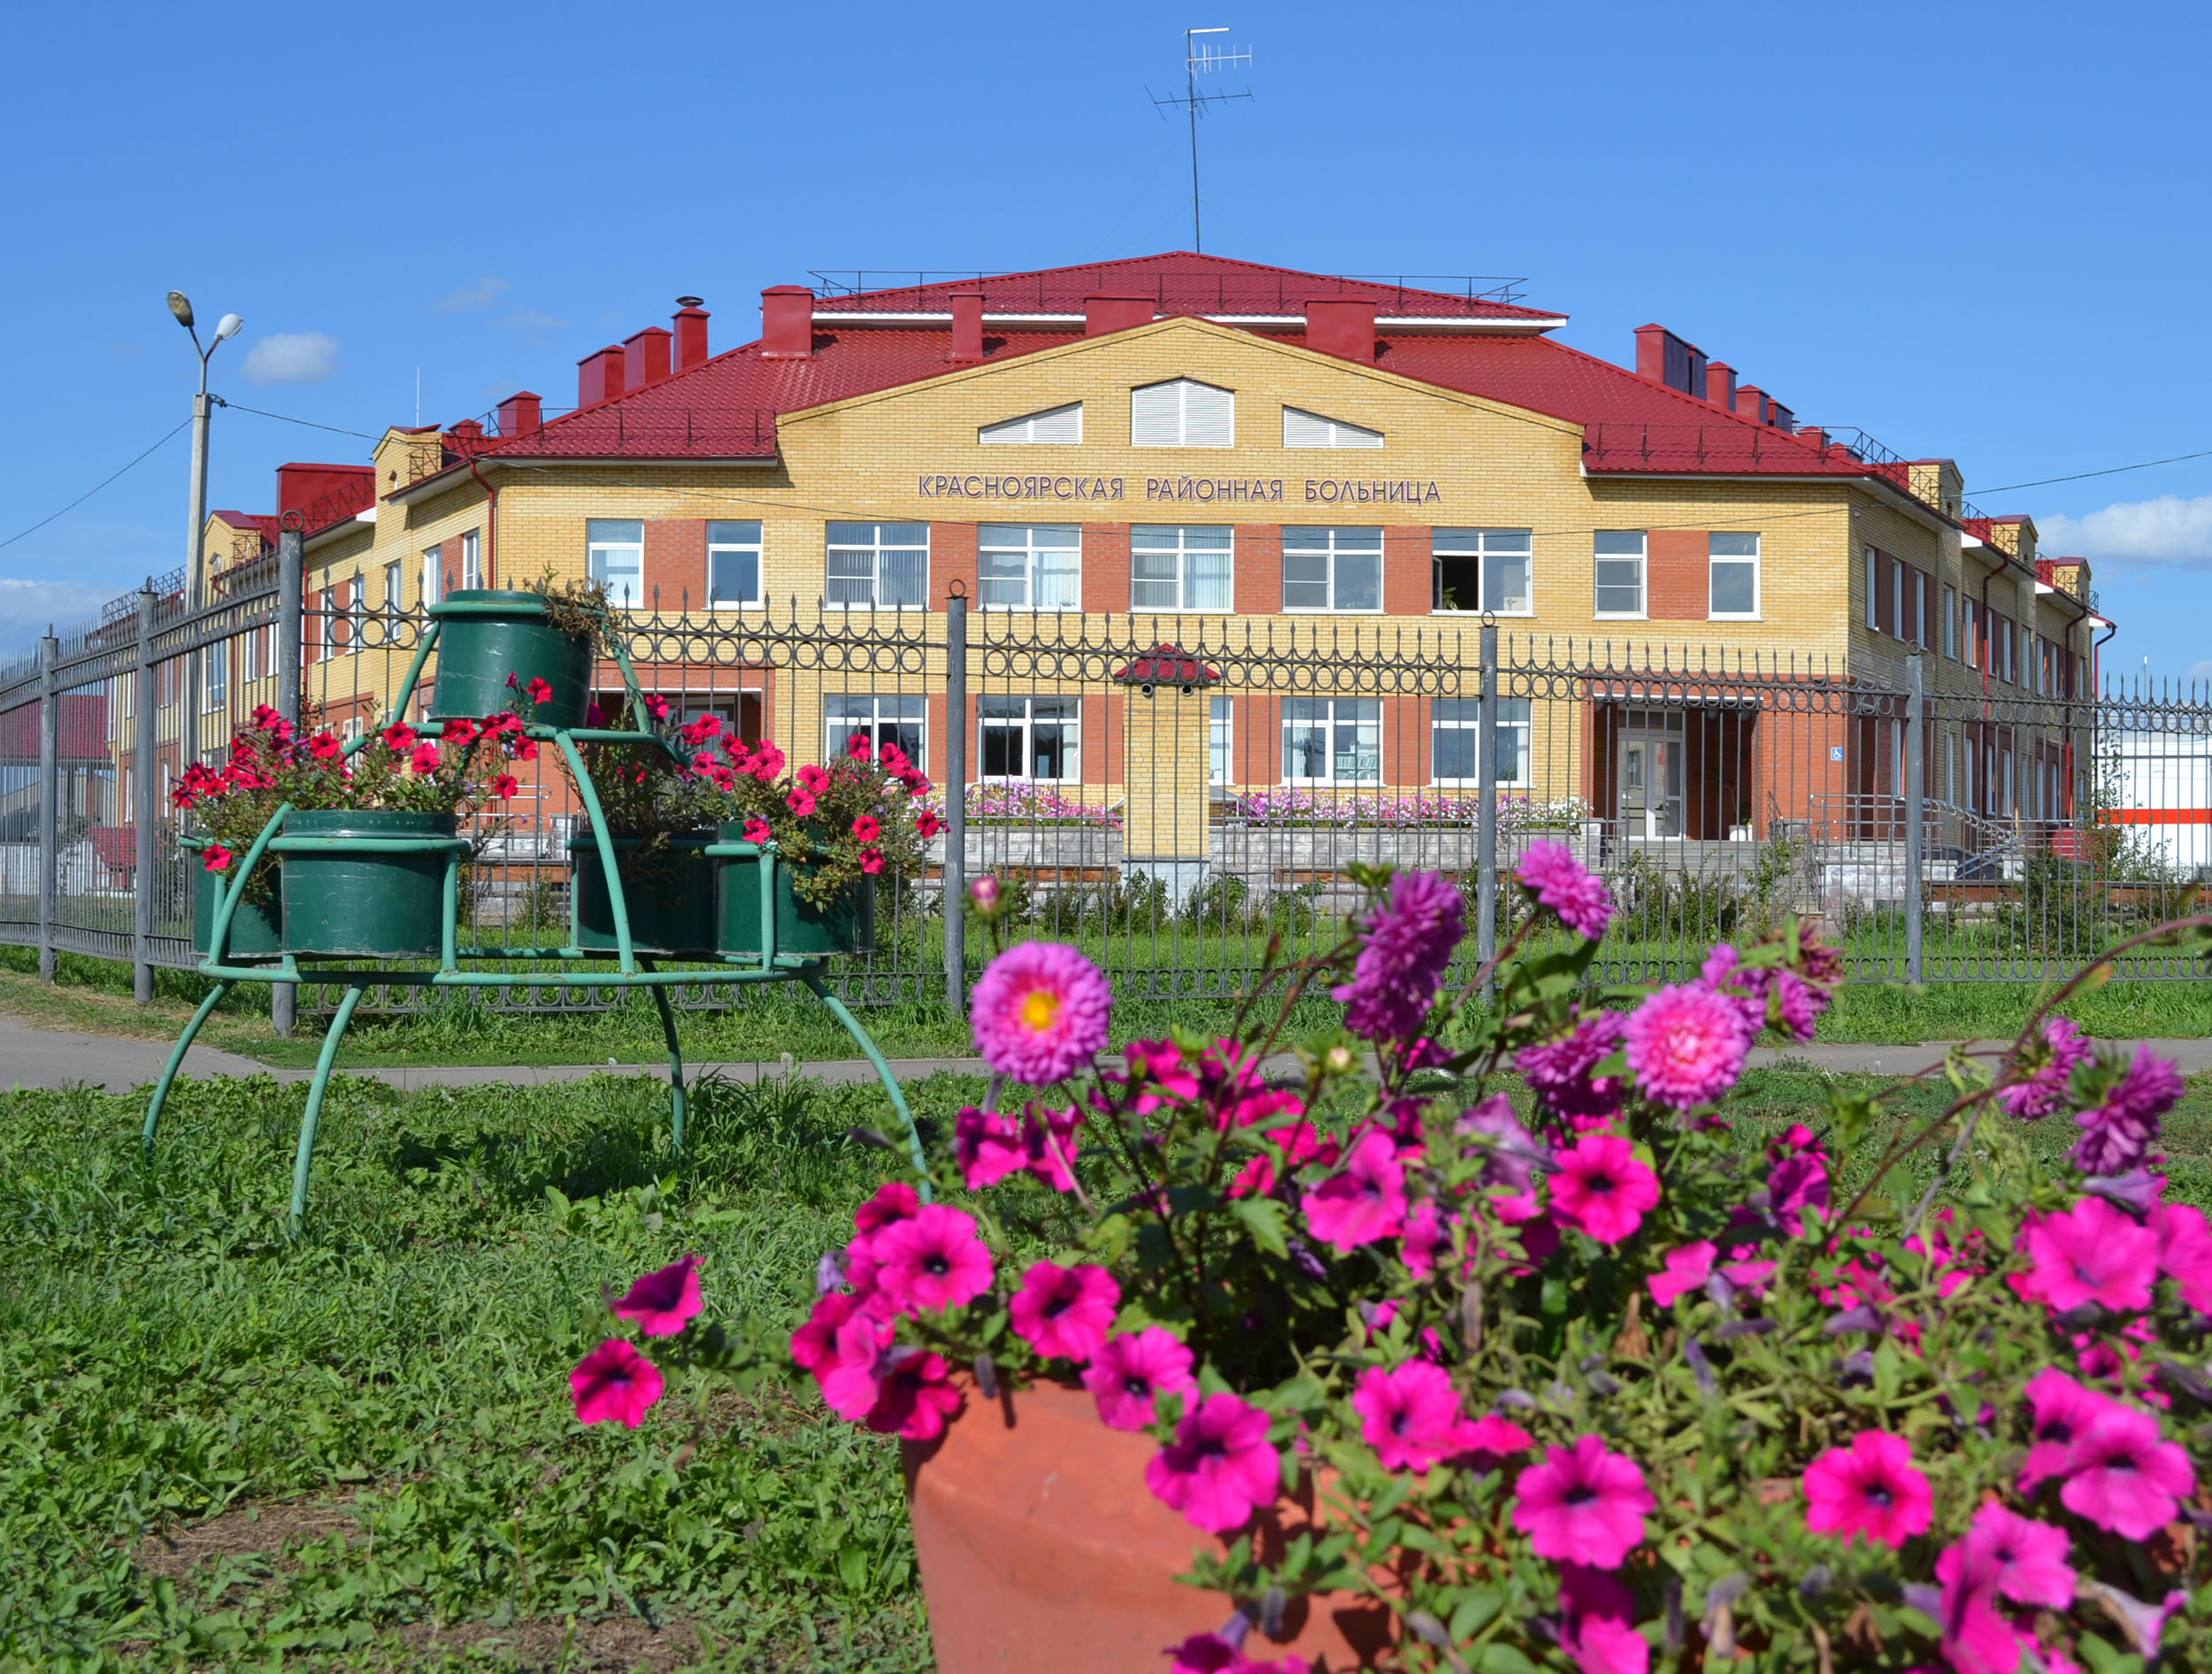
pixel 1873 590
pixel 1220 717
pixel 1620 572
pixel 1455 741
pixel 1333 740
pixel 1182 414
pixel 1180 568
pixel 1034 738
pixel 1734 561
pixel 884 720
pixel 1971 620
pixel 330 622
pixel 733 565
pixel 432 575
pixel 249 656
pixel 1311 430
pixel 393 583
pixel 217 675
pixel 1481 570
pixel 1024 567
pixel 1054 425
pixel 880 563
pixel 356 609
pixel 1333 569
pixel 471 567
pixel 614 557
pixel 1951 623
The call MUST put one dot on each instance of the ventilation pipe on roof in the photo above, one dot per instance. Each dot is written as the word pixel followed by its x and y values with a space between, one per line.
pixel 1780 416
pixel 1816 436
pixel 645 357
pixel 1670 360
pixel 691 334
pixel 786 323
pixel 967 325
pixel 521 415
pixel 1751 402
pixel 1103 313
pixel 599 376
pixel 1720 384
pixel 1342 326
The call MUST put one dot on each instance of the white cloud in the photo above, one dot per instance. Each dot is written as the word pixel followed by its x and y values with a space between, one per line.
pixel 486 291
pixel 2149 533
pixel 292 357
pixel 531 319
pixel 28 607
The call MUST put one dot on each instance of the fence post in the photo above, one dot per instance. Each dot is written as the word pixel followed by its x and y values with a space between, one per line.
pixel 284 997
pixel 1915 769
pixel 144 801
pixel 956 886
pixel 1486 810
pixel 49 795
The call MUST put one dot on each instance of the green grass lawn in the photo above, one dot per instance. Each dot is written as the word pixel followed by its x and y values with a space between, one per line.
pixel 229 1449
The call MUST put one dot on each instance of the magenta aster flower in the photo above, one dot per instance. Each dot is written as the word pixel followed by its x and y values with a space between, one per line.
pixel 1686 1046
pixel 1689 1267
pixel 1219 1468
pixel 1584 1504
pixel 1128 1372
pixel 2026 1559
pixel 659 1304
pixel 1869 1488
pixel 614 1381
pixel 1410 1415
pixel 2062 1412
pixel 2044 1088
pixel 1601 1189
pixel 1064 1312
pixel 1560 1072
pixel 915 1398
pixel 2125 1477
pixel 1408 944
pixel 1039 1012
pixel 2184 1252
pixel 1364 1201
pixel 2118 1130
pixel 2093 1252
pixel 1551 873
pixel 935 1260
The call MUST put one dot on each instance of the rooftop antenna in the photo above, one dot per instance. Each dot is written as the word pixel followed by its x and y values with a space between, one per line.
pixel 1197 61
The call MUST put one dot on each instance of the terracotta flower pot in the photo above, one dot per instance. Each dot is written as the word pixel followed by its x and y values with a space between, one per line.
pixel 1042 1547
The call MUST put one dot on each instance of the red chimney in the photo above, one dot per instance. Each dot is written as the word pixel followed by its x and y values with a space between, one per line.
pixel 645 357
pixel 786 323
pixel 1751 402
pixel 1651 352
pixel 1342 326
pixel 967 326
pixel 1780 416
pixel 1103 313
pixel 1816 436
pixel 520 414
pixel 599 376
pixel 1720 384
pixel 691 334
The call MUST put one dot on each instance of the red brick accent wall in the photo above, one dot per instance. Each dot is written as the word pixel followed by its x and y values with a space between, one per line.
pixel 1257 589
pixel 449 564
pixel 1106 567
pixel 1409 586
pixel 1677 587
pixel 675 569
pixel 1102 740
pixel 952 559
pixel 1405 741
pixel 935 739
pixel 1255 748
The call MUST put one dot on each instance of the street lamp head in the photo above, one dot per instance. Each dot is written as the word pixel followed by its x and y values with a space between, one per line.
pixel 228 325
pixel 181 307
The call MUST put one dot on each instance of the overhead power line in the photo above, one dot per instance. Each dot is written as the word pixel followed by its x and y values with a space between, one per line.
pixel 338 430
pixel 95 489
pixel 2110 471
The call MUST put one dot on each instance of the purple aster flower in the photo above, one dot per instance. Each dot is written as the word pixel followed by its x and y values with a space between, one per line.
pixel 1038 1012
pixel 1511 1153
pixel 1409 941
pixel 1556 878
pixel 1687 1045
pixel 2044 1090
pixel 1559 1072
pixel 2117 1132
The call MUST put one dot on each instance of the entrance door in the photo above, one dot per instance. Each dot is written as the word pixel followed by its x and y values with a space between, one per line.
pixel 1651 773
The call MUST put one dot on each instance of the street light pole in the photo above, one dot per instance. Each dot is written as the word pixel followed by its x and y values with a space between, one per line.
pixel 196 537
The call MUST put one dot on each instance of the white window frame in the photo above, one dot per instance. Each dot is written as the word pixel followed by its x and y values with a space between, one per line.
pixel 1464 715
pixel 1184 552
pixel 249 656
pixel 1221 740
pixel 357 611
pixel 433 575
pixel 1023 432
pixel 471 560
pixel 1873 588
pixel 730 536
pixel 330 614
pixel 1713 560
pixel 1489 548
pixel 1183 387
pixel 844 549
pixel 602 542
pixel 1333 720
pixel 1033 546
pixel 1331 433
pixel 216 688
pixel 1641 557
pixel 1342 543
pixel 900 710
pixel 1022 723
pixel 1950 622
pixel 394 586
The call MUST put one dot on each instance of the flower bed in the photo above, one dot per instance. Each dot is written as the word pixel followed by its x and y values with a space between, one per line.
pixel 1284 807
pixel 1038 804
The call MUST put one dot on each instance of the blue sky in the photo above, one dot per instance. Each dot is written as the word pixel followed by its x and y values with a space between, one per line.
pixel 1971 230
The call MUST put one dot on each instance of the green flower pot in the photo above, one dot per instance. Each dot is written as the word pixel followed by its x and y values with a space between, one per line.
pixel 846 925
pixel 478 652
pixel 256 928
pixel 669 895
pixel 365 906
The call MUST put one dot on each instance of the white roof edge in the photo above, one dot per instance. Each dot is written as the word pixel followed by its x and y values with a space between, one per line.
pixel 1479 326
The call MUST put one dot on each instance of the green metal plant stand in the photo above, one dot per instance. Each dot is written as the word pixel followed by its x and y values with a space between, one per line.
pixel 632 970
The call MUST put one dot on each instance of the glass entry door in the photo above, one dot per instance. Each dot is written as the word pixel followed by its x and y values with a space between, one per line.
pixel 1651 773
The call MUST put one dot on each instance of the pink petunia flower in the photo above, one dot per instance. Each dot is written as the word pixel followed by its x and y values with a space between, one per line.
pixel 1869 1488
pixel 1223 1652
pixel 851 1375
pixel 659 1304
pixel 871 861
pixel 1977 1637
pixel 915 1398
pixel 1689 1267
pixel 1797 1178
pixel 814 1345
pixel 895 1201
pixel 1425 1233
pixel 1486 1444
pixel 540 691
pixel 2093 1252
pixel 986 1146
pixel 216 858
pixel 614 1381
pixel 2026 1559
pixel 1551 873
pixel 866 828
pixel 2184 1252
pixel 1410 1415
pixel 1594 1610
pixel 1362 1202
pixel 1064 1312
pixel 1039 1012
pixel 1129 1370
pixel 1219 1468
pixel 2124 1476
pixel 800 800
pixel 1601 1189
pixel 1582 1505
pixel 1686 1046
pixel 2061 1413
pixel 1049 1145
pixel 1301 1143
pixel 756 830
pixel 813 780
pixel 935 1260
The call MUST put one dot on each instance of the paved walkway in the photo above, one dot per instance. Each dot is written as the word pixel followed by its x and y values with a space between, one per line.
pixel 34 1057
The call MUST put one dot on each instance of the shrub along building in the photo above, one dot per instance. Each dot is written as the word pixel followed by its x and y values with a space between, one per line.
pixel 1201 450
